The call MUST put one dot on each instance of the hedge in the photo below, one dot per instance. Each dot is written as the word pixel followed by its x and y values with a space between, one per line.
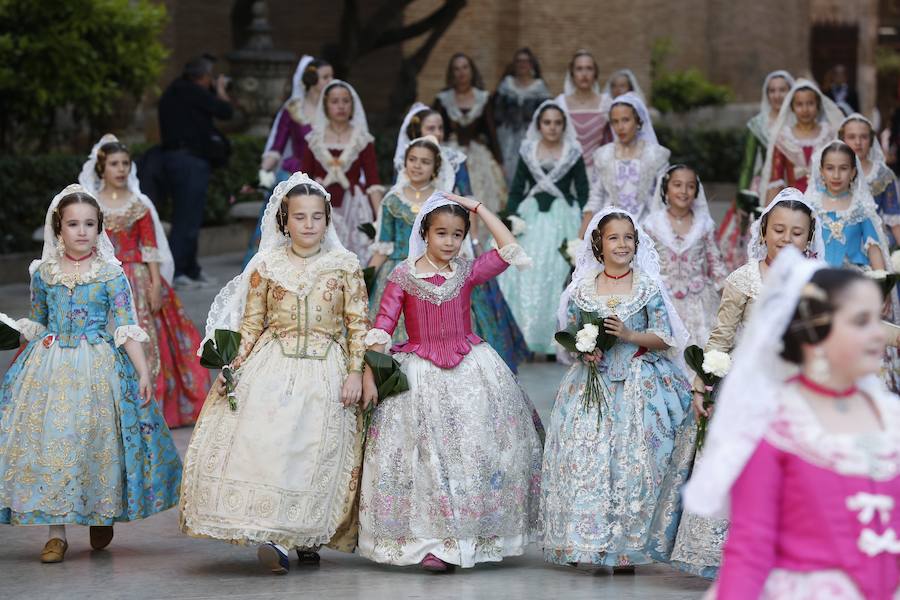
pixel 28 182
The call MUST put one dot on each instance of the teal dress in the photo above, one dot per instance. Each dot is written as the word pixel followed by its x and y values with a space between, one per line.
pixel 552 215
pixel 76 446
pixel 602 473
pixel 491 317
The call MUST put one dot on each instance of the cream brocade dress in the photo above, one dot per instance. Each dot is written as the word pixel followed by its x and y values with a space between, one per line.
pixel 284 467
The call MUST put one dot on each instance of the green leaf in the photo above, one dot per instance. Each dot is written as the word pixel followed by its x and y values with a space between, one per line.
pixel 566 339
pixel 368 229
pixel 888 283
pixel 389 378
pixel 9 337
pixel 227 343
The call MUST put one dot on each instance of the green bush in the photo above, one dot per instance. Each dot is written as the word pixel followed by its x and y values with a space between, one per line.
pixel 715 153
pixel 680 91
pixel 84 54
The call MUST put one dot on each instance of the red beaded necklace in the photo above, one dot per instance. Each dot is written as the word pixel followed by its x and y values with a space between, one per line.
pixel 77 261
pixel 822 390
pixel 622 276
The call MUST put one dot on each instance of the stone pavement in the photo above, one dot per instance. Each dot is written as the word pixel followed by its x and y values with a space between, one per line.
pixel 152 559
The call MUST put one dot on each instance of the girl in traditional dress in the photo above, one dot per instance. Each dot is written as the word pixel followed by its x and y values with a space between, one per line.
pixel 622 82
pixel 858 133
pixel 690 261
pixel 548 191
pixel 625 172
pixel 803 455
pixel 452 466
pixel 518 95
pixel 287 138
pixel 81 440
pixel 733 233
pixel 469 126
pixel 133 227
pixel 604 463
pixel 492 318
pixel 585 104
pixel 340 155
pixel 690 542
pixel 282 470
pixel 807 120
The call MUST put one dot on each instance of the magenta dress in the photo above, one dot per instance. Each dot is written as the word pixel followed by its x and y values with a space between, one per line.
pixel 289 130
pixel 452 466
pixel 814 514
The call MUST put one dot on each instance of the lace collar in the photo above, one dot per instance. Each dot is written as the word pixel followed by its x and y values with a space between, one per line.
pixel 546 181
pixel 796 429
pixel 277 266
pixel 792 146
pixel 879 178
pixel 416 285
pixel 759 126
pixel 660 229
pixel 122 217
pixel 456 114
pixel 858 211
pixel 336 167
pixel 747 279
pixel 643 288
pixel 537 89
pixel 52 273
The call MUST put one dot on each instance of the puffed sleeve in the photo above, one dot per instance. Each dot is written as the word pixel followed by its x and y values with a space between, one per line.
pixel 282 134
pixel 122 306
pixel 749 553
pixel 580 180
pixel 356 320
pixel 36 323
pixel 716 269
pixel 384 245
pixel 520 182
pixel 658 322
pixel 147 239
pixel 869 235
pixel 368 161
pixel 778 177
pixel 748 164
pixel 728 318
pixel 388 315
pixel 309 164
pixel 253 321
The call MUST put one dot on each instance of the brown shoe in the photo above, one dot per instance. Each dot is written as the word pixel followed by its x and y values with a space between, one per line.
pixel 54 551
pixel 101 536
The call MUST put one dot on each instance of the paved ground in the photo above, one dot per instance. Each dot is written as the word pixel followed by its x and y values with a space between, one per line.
pixel 151 559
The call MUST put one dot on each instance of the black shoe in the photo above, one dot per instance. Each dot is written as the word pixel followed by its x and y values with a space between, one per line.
pixel 273 559
pixel 308 557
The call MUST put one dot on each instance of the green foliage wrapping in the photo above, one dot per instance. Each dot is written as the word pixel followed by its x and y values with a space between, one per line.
pixel 715 153
pixel 219 353
pixel 81 53
pixel 389 379
pixel 9 337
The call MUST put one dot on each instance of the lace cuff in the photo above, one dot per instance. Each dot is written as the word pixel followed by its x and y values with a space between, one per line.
pixel 150 254
pixel 30 329
pixel 869 243
pixel 891 220
pixel 384 248
pixel 130 331
pixel 375 189
pixel 667 338
pixel 515 255
pixel 272 154
pixel 377 336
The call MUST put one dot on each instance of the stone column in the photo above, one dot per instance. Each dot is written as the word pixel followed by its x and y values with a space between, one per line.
pixel 260 73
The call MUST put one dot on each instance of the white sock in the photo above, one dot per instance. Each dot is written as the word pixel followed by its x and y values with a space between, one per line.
pixel 57 531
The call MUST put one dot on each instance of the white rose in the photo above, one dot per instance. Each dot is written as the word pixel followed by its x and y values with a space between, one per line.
pixel 266 178
pixel 517 225
pixel 895 261
pixel 572 248
pixel 586 338
pixel 716 363
pixel 876 274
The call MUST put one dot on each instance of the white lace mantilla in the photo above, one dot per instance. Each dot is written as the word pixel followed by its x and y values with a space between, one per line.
pixel 427 291
pixel 99 270
pixel 276 266
pixel 660 227
pixel 456 114
pixel 792 146
pixel 587 299
pixel 546 181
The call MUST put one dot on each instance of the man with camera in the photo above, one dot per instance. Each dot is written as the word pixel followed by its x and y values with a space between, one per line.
pixel 192 147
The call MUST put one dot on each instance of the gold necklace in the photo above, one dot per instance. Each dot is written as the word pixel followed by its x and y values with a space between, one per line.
pixel 307 257
pixel 418 193
pixel 436 268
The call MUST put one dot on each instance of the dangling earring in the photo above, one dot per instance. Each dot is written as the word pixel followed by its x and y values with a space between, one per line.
pixel 819 368
pixel 60 247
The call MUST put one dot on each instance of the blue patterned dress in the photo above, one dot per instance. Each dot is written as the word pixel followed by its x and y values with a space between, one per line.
pixel 491 318
pixel 76 447
pixel 883 185
pixel 602 475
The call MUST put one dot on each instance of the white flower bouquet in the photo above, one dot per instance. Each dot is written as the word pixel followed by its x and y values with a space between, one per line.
pixel 711 367
pixel 586 341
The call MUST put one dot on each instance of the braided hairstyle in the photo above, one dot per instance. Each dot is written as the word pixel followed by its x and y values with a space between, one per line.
pixel 104 151
pixel 428 144
pixel 819 299
pixel 414 129
pixel 310 76
pixel 451 209
pixel 304 189
pixel 56 219
pixel 790 205
pixel 597 233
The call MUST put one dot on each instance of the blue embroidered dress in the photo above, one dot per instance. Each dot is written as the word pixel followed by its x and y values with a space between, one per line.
pixel 601 482
pixel 492 318
pixel 848 235
pixel 76 447
pixel 883 185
